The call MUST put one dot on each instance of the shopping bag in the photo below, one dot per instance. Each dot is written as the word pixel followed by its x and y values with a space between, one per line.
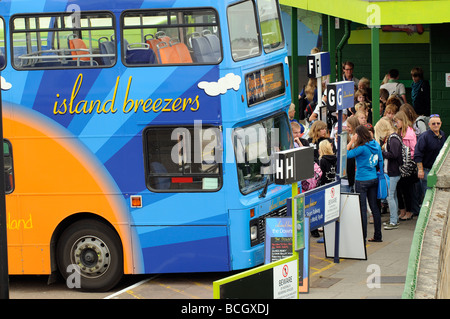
pixel 383 185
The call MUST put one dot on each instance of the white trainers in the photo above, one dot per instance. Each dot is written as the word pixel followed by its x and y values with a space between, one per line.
pixel 391 226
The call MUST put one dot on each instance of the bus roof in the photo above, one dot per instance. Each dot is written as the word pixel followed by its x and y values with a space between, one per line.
pixel 10 7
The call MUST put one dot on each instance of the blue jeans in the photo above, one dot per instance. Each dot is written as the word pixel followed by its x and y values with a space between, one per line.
pixel 416 198
pixel 392 199
pixel 368 192
pixel 347 189
pixel 424 180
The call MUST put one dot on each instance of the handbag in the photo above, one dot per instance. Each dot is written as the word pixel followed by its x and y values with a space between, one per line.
pixel 383 185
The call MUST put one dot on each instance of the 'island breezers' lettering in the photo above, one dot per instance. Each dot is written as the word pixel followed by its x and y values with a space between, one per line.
pixel 71 106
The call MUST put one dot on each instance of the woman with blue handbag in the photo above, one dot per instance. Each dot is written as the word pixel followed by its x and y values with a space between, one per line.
pixel 369 159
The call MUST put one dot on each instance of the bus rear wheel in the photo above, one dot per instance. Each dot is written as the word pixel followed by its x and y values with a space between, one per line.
pixel 90 253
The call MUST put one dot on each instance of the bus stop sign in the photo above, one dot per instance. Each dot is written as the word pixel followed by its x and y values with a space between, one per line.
pixel 294 165
pixel 340 95
pixel 318 64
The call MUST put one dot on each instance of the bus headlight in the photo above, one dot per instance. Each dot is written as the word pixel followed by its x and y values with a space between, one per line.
pixel 254 232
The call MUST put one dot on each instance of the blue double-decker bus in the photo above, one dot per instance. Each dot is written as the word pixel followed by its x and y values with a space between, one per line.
pixel 138 134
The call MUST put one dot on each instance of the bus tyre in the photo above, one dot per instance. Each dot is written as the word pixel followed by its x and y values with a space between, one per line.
pixel 89 256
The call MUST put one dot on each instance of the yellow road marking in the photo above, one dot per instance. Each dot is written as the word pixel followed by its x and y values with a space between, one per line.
pixel 178 291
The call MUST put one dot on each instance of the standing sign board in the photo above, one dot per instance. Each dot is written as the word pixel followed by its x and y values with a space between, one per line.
pixel 277 280
pixel 278 243
pixel 278 239
pixel 351 239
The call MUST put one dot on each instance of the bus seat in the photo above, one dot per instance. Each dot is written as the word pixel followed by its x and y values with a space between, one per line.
pixel 78 44
pixel 215 45
pixel 152 42
pixel 202 50
pixel 2 60
pixel 159 182
pixel 143 55
pixel 107 47
pixel 183 52
pixel 161 36
pixel 167 53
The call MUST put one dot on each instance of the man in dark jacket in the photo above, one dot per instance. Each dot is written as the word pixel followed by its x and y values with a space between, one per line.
pixel 428 147
pixel 420 92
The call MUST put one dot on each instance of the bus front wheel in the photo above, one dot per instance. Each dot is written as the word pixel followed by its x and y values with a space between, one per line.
pixel 89 256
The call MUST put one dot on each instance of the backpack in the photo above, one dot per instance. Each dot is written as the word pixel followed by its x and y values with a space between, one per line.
pixel 408 167
pixel 309 110
pixel 314 181
pixel 394 91
pixel 424 119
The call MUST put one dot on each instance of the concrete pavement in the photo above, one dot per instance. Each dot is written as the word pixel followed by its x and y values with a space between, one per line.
pixel 382 275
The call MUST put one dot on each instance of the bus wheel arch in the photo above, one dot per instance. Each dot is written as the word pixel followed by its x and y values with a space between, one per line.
pixel 87 246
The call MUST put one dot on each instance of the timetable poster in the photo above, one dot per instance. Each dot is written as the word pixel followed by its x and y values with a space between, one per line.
pixel 278 241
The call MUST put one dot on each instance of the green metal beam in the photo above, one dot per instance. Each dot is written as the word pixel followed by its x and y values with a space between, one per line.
pixel 375 50
pixel 332 47
pixel 294 60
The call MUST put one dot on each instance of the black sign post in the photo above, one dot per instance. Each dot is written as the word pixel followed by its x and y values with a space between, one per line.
pixel 4 277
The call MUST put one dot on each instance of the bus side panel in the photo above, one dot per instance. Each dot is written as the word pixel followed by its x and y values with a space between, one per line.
pixel 55 177
pixel 184 248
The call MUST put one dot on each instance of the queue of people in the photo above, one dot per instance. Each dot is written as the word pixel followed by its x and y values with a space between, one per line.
pixel 402 129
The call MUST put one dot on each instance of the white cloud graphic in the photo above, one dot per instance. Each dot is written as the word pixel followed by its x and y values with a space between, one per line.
pixel 5 85
pixel 229 81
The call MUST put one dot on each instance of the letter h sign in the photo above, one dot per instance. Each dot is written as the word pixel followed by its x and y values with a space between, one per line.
pixel 294 165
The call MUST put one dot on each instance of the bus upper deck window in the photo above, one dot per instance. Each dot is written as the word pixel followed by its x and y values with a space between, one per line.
pixel 243 30
pixel 171 36
pixel 270 22
pixel 60 41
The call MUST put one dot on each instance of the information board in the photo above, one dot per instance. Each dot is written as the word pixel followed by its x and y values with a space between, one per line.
pixel 278 240
pixel 322 204
pixel 264 84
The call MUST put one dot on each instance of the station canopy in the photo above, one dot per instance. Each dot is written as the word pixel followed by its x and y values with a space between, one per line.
pixel 379 12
